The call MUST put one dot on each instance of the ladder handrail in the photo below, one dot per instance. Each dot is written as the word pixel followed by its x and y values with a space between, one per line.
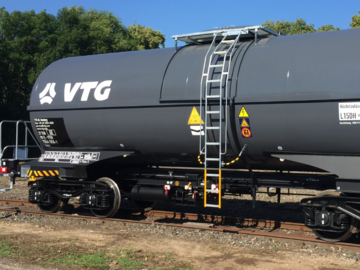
pixel 201 89
pixel 27 131
pixel 232 47
pixel 220 100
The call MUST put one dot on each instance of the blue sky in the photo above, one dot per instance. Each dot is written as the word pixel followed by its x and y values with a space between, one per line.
pixel 186 16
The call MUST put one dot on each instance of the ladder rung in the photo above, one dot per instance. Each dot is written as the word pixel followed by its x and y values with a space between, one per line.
pixel 212 191
pixel 212 128
pixel 210 112
pixel 212 143
pixel 210 81
pixel 228 41
pixel 212 174
pixel 213 96
pixel 214 66
pixel 212 159
pixel 220 52
pixel 212 205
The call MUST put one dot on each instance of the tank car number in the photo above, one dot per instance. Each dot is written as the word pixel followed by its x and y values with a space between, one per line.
pixel 348 116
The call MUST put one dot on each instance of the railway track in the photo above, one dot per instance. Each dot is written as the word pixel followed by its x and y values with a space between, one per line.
pixel 205 219
pixel 195 221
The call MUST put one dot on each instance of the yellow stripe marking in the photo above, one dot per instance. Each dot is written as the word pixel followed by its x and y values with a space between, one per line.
pixel 219 189
pixel 39 172
pixel 52 174
pixel 36 173
pixel 45 172
pixel 57 172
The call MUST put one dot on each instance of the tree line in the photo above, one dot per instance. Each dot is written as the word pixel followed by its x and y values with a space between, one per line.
pixel 31 41
pixel 301 27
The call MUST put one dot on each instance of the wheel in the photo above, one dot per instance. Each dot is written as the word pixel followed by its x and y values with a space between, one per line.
pixel 335 236
pixel 54 207
pixel 144 205
pixel 114 201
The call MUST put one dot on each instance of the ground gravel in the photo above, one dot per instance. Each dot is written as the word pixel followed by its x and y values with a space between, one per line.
pixel 267 208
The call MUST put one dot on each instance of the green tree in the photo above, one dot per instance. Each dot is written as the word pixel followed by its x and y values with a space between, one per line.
pixel 18 46
pixel 29 42
pixel 146 37
pixel 327 27
pixel 355 21
pixel 298 27
pixel 291 28
pixel 107 32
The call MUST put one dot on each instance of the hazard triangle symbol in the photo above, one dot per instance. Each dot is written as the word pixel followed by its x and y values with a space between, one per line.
pixel 194 118
pixel 244 123
pixel 243 113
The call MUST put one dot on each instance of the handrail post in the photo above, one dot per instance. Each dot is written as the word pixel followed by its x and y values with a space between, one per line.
pixel 26 141
pixel 1 151
pixel 17 139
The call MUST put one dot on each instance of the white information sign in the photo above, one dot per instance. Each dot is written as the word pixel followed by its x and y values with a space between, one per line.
pixel 349 111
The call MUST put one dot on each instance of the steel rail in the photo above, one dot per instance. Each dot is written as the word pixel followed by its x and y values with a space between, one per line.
pixel 179 216
pixel 188 225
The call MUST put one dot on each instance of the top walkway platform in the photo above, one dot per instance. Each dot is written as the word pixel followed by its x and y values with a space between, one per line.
pixel 208 35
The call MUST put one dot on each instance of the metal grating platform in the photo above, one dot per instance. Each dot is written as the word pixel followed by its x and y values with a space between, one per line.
pixel 208 35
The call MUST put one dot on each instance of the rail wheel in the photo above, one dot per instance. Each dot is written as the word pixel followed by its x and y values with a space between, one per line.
pixel 334 236
pixel 54 207
pixel 144 205
pixel 340 235
pixel 114 201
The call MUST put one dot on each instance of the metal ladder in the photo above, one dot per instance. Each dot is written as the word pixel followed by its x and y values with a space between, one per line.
pixel 227 47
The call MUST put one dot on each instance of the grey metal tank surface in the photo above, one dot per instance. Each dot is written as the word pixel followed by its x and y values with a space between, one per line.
pixel 290 88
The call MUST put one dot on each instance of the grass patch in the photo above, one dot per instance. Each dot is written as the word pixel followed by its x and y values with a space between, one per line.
pixel 126 259
pixel 86 260
pixel 75 256
pixel 5 249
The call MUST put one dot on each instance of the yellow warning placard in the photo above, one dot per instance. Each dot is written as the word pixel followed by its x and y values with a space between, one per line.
pixel 243 112
pixel 194 118
pixel 244 123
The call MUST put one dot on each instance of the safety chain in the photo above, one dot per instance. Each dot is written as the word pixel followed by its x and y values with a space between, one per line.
pixel 227 163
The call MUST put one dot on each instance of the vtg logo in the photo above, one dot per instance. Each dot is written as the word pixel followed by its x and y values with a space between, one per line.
pixel 49 88
pixel 101 92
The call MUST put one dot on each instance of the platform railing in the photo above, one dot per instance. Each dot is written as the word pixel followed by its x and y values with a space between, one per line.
pixel 17 146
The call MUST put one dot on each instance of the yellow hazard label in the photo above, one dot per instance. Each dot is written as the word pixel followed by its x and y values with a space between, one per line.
pixel 194 118
pixel 243 112
pixel 244 123
pixel 34 174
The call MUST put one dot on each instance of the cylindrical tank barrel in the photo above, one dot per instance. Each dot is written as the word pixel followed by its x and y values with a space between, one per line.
pixel 284 97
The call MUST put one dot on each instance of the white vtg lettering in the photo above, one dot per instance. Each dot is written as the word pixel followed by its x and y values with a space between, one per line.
pixel 102 90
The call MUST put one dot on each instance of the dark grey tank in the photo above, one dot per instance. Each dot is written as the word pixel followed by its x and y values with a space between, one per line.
pixel 300 94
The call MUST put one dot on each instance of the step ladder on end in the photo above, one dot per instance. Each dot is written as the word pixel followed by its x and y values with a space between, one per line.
pixel 218 191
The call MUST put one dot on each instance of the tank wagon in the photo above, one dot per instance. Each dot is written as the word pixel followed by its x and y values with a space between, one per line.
pixel 234 110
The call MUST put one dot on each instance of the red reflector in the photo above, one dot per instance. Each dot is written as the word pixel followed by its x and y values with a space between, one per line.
pixel 4 170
